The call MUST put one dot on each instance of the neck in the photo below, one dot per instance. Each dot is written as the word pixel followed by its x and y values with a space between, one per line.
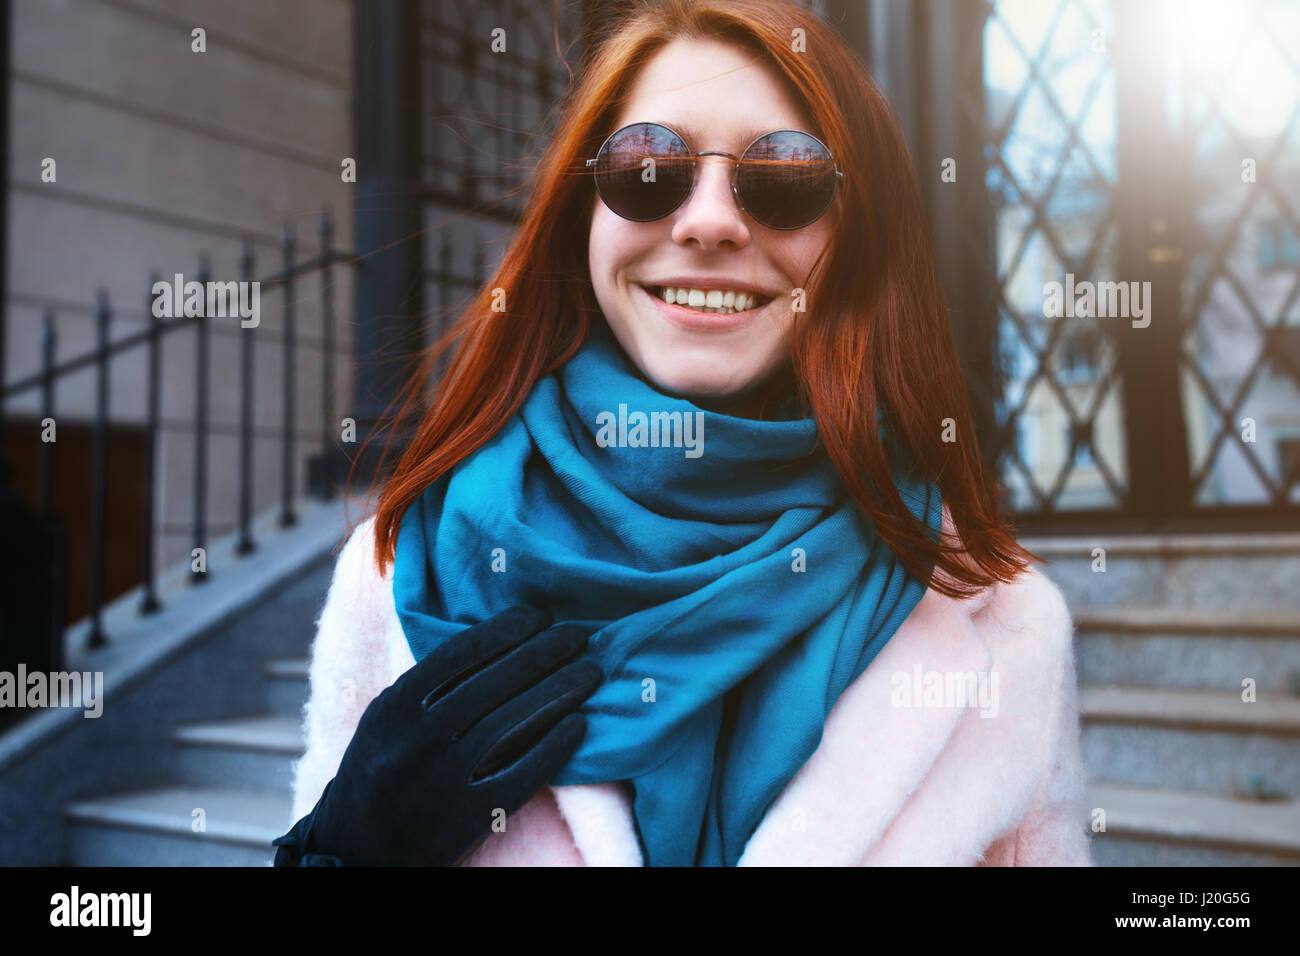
pixel 758 403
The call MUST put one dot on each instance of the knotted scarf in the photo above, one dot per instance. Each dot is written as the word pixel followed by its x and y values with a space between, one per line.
pixel 733 588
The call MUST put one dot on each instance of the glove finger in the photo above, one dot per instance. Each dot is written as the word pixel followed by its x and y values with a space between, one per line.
pixel 520 781
pixel 514 729
pixel 507 678
pixel 451 664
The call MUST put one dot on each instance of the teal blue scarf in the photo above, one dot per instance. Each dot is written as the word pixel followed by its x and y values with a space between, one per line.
pixel 732 585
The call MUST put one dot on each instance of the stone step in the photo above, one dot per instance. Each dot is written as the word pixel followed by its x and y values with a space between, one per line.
pixel 1149 826
pixel 1180 647
pixel 1205 709
pixel 1150 618
pixel 289 668
pixel 1177 570
pixel 256 751
pixel 164 827
pixel 286 685
pixel 1197 740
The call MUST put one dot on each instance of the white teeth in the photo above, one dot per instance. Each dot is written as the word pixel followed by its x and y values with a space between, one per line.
pixel 709 300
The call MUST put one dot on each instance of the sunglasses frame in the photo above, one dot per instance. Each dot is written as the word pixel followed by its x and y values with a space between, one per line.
pixel 735 172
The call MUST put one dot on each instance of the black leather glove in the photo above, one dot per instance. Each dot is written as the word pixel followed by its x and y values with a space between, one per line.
pixel 480 724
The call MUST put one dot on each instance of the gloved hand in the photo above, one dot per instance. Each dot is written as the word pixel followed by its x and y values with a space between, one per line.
pixel 482 723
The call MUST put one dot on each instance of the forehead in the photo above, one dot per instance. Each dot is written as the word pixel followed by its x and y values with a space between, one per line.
pixel 716 94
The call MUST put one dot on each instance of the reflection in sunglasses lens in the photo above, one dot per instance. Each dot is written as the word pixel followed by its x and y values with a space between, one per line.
pixel 636 189
pixel 787 180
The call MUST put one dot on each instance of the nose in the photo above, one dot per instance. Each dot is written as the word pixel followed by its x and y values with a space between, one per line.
pixel 711 216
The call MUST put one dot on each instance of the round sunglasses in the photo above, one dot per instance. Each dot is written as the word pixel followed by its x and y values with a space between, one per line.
pixel 784 179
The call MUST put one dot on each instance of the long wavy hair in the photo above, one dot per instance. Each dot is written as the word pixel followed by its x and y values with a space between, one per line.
pixel 878 333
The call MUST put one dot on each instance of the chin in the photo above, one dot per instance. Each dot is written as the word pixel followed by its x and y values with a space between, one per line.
pixel 706 383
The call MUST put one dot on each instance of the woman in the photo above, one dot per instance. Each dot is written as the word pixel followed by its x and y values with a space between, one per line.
pixel 720 451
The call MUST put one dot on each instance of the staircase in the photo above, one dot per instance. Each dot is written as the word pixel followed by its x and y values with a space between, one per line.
pixel 190 762
pixel 1188 774
pixel 236 770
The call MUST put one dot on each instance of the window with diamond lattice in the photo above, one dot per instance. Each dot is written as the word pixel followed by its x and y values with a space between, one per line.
pixel 1155 145
pixel 1234 105
pixel 1050 112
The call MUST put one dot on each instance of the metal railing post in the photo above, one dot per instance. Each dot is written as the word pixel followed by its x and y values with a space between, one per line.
pixel 328 425
pixel 287 516
pixel 99 468
pixel 149 600
pixel 44 464
pixel 201 433
pixel 246 543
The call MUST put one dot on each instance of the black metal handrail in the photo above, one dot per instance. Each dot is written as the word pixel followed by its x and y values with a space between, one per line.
pixel 150 338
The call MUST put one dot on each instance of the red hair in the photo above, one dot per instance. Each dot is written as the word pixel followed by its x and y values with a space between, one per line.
pixel 879 332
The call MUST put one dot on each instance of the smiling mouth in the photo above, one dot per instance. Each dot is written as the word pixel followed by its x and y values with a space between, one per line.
pixel 726 302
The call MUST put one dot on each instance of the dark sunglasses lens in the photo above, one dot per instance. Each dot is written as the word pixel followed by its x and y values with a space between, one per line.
pixel 644 172
pixel 786 179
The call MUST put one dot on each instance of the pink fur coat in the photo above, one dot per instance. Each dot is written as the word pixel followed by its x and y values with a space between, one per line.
pixel 909 771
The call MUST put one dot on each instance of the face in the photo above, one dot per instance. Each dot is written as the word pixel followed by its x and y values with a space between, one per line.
pixel 718 97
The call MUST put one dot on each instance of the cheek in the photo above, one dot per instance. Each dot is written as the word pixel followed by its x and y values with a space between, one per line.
pixel 606 245
pixel 805 248
pixel 595 247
